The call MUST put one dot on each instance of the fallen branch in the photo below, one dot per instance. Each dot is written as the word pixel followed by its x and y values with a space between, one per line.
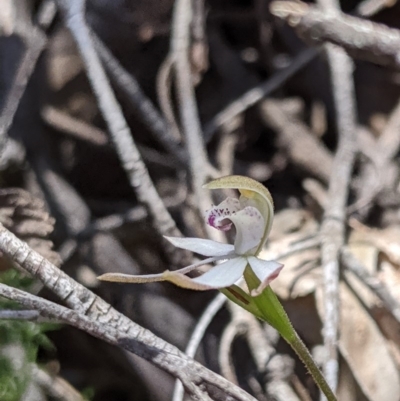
pixel 361 38
pixel 333 224
pixel 95 316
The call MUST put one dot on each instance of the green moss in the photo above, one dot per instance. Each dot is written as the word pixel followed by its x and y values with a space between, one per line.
pixel 19 343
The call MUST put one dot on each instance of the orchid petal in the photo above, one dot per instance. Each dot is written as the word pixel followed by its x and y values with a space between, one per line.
pixel 184 281
pixel 130 278
pixel 221 276
pixel 152 278
pixel 205 247
pixel 224 274
pixel 249 225
pixel 248 221
pixel 250 189
pixel 218 216
pixel 265 270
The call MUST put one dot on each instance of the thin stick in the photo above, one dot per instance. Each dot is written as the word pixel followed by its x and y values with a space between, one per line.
pixel 267 359
pixel 163 86
pixel 180 41
pixel 333 224
pixel 19 314
pixel 35 41
pixel 143 105
pixel 198 333
pixel 381 152
pixel 254 95
pixel 361 38
pixel 297 140
pixel 121 135
pixel 79 129
pixel 233 329
pixel 374 283
pixel 262 351
pixel 367 8
pixel 55 386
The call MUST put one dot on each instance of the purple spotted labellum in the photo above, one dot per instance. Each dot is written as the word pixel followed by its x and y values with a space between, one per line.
pixel 251 216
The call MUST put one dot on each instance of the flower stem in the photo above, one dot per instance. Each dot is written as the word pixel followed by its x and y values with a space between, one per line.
pixel 272 311
pixel 303 353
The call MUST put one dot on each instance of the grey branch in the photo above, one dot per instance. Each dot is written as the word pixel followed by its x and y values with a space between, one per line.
pixel 35 41
pixel 98 318
pixel 19 314
pixel 64 122
pixel 190 122
pixel 143 105
pixel 55 386
pixel 374 283
pixel 381 152
pixel 120 133
pixel 254 95
pixel 295 137
pixel 333 224
pixel 368 8
pixel 361 38
pixel 198 333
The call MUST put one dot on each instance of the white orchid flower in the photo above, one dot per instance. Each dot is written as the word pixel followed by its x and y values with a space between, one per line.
pixel 251 215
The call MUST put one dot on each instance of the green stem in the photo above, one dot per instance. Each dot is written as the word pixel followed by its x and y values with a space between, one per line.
pixel 272 311
pixel 303 353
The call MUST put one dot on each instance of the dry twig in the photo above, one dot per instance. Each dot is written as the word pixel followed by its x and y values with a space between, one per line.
pixel 231 331
pixel 35 41
pixel 19 314
pixel 254 95
pixel 164 85
pixel 93 315
pixel 62 121
pixel 120 133
pixel 333 224
pixel 142 104
pixel 198 333
pixel 263 353
pixel 297 140
pixel 55 386
pixel 381 153
pixel 368 8
pixel 374 283
pixel 362 39
pixel 179 53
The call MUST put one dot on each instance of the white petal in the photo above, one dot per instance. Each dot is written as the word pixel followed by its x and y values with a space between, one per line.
pixel 217 216
pixel 250 225
pixel 223 275
pixel 205 247
pixel 265 270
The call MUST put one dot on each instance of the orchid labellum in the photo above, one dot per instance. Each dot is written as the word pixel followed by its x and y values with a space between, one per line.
pixel 251 216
